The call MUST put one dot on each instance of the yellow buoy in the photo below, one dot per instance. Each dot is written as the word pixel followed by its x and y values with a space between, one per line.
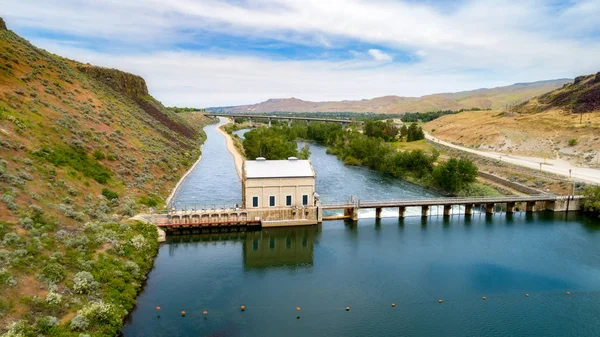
pixel 243 307
pixel 347 308
pixel 182 313
pixel 568 293
pixel 440 301
pixel 205 312
pixel 526 295
pixel 483 298
pixel 393 305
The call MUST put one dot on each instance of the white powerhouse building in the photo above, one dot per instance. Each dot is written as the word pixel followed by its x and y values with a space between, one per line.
pixel 282 190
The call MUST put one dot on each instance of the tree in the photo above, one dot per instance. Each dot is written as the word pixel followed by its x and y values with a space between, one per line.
pixel 414 133
pixel 455 174
pixel 591 200
pixel 270 143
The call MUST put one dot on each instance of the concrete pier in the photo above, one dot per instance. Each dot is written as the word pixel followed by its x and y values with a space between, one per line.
pixel 468 209
pixel 489 208
pixel 510 207
pixel 447 210
pixel 378 213
pixel 424 211
pixel 401 211
pixel 530 207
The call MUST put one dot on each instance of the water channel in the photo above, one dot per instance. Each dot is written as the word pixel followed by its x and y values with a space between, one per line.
pixel 368 266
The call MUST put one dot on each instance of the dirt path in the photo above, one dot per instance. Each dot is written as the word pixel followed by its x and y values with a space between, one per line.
pixel 560 167
pixel 238 159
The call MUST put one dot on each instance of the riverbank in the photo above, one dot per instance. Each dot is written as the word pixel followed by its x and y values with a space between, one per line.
pixel 238 159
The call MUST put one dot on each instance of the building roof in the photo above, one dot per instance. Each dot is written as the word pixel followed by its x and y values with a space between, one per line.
pixel 291 168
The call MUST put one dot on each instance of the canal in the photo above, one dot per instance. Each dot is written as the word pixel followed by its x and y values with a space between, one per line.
pixel 368 266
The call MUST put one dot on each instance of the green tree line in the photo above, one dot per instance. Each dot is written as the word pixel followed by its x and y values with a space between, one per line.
pixel 360 149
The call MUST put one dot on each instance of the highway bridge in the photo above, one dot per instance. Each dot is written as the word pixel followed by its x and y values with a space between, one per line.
pixel 289 119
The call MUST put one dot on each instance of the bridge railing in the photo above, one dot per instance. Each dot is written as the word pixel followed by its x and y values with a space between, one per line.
pixel 451 200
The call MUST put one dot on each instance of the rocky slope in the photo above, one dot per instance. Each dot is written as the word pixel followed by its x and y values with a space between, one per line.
pixel 493 98
pixel 82 148
pixel 561 124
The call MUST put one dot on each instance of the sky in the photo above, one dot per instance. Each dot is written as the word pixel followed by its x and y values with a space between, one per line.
pixel 203 53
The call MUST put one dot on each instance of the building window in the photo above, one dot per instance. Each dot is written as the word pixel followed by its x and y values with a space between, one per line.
pixel 271 201
pixel 255 202
pixel 305 200
pixel 288 200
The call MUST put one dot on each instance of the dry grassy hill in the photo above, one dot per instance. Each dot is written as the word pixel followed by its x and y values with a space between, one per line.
pixel 493 98
pixel 563 123
pixel 82 149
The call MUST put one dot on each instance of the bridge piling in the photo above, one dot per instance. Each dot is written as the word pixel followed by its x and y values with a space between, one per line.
pixel 468 209
pixel 489 208
pixel 447 210
pixel 269 122
pixel 510 207
pixel 289 123
pixel 250 121
pixel 530 206
pixel 401 211
pixel 424 211
pixel 378 213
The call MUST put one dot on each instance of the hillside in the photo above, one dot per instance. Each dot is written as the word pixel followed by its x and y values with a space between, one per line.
pixel 494 98
pixel 82 149
pixel 561 124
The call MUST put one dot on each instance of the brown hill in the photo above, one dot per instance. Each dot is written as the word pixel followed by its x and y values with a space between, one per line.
pixel 493 98
pixel 82 149
pixel 561 124
pixel 583 95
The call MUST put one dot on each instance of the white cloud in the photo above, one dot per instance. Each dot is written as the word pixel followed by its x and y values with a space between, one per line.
pixel 478 43
pixel 380 56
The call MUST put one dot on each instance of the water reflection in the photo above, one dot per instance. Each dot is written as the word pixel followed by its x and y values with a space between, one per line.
pixel 291 247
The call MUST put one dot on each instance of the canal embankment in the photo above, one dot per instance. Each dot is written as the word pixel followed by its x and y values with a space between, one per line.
pixel 238 159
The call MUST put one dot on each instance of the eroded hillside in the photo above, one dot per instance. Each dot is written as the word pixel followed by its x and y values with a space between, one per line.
pixel 82 149
pixel 562 124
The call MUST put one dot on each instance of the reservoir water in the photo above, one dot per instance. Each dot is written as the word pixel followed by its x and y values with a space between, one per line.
pixel 368 266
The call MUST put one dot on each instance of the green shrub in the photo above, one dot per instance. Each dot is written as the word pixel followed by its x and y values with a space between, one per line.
pixel 76 158
pixel 351 161
pixel 591 200
pixel 98 155
pixel 572 142
pixel 53 273
pixel 149 201
pixel 110 195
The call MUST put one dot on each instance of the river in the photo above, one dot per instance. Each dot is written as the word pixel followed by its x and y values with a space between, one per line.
pixel 369 265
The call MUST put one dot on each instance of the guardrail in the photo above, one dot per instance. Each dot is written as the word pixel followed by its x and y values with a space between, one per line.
pixel 445 201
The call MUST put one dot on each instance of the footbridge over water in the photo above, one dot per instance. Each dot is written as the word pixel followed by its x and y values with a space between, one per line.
pixel 289 119
pixel 529 203
pixel 234 216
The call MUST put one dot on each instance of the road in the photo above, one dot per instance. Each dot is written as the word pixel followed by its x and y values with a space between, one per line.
pixel 556 166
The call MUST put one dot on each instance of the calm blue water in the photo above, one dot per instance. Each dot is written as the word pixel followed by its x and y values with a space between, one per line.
pixel 369 265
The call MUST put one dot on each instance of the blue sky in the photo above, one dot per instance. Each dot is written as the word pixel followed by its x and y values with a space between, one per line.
pixel 213 53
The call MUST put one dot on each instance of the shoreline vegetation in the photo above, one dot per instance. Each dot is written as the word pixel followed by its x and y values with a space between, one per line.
pixel 451 177
pixel 84 150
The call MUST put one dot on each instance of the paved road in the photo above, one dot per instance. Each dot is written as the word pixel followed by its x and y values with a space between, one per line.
pixel 559 167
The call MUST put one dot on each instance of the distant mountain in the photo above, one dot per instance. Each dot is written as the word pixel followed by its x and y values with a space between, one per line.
pixel 493 98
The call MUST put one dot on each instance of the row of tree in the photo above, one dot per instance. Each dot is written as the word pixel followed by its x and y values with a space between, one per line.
pixel 362 149
pixel 389 132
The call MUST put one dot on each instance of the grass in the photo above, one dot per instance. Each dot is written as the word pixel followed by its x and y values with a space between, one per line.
pixel 416 145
